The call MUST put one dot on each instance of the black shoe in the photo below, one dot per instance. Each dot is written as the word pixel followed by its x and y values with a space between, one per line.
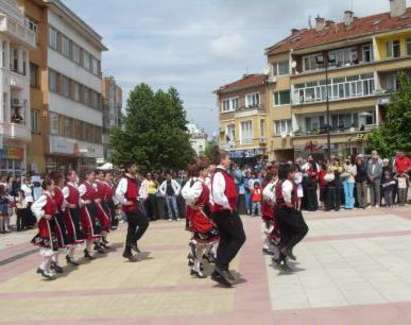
pixel 105 241
pixel 45 274
pixel 289 253
pixel 129 256
pixel 71 261
pixel 225 274
pixel 87 255
pixel 98 248
pixel 135 248
pixel 266 251
pixel 219 279
pixel 56 267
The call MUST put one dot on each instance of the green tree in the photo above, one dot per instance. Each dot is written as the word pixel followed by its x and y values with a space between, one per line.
pixel 210 149
pixel 154 132
pixel 394 134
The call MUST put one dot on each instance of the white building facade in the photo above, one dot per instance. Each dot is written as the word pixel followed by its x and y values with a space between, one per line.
pixel 16 39
pixel 198 139
pixel 75 95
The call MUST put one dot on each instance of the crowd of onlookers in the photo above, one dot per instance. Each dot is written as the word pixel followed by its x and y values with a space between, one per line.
pixel 359 181
pixel 355 181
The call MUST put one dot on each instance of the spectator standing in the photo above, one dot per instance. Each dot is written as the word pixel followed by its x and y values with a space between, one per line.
pixel 247 191
pixel 374 174
pixel 387 184
pixel 402 165
pixel 361 182
pixel 171 189
pixel 151 204
pixel 348 175
pixel 256 198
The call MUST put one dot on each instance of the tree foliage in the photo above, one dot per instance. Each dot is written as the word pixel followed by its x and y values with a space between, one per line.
pixel 153 132
pixel 395 133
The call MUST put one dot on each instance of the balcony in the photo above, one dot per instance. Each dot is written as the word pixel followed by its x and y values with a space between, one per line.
pixel 16 131
pixel 17 31
pixel 334 131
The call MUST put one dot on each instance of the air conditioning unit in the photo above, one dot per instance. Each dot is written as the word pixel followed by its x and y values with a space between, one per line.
pixel 16 102
pixel 272 79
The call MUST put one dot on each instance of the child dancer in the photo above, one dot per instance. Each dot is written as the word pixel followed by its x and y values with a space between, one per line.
pixel 88 213
pixel 45 209
pixel 102 209
pixel 271 230
pixel 205 235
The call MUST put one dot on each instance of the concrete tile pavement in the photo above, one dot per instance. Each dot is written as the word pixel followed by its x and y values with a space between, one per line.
pixel 353 268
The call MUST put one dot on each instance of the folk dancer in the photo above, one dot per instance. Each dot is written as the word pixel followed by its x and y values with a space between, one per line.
pixel 127 193
pixel 292 225
pixel 223 200
pixel 205 234
pixel 88 213
pixel 45 209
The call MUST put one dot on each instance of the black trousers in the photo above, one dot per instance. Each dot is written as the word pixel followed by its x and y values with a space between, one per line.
pixel 151 207
pixel 292 227
pixel 20 219
pixel 232 237
pixel 59 219
pixel 137 226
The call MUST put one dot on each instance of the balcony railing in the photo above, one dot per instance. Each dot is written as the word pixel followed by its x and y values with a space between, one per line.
pixel 18 31
pixel 341 130
pixel 18 131
pixel 243 108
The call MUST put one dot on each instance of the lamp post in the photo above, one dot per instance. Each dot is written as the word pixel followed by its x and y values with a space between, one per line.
pixel 325 60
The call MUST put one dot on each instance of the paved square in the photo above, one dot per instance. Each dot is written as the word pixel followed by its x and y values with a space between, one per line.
pixel 353 268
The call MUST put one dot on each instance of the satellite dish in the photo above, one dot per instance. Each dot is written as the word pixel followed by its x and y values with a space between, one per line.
pixel 267 70
pixel 294 64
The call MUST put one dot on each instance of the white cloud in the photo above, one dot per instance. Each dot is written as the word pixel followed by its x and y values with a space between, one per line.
pixel 228 46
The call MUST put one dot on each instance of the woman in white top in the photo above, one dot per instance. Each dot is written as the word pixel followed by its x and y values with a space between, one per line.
pixel 27 190
pixel 348 175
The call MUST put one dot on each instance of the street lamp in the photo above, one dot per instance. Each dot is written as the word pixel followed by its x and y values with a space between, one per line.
pixel 325 61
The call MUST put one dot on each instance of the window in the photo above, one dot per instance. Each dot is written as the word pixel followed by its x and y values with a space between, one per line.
pixel 393 49
pixel 34 75
pixel 86 95
pixel 281 68
pixel 14 59
pixel 3 54
pixel 94 99
pixel 230 133
pixel 409 46
pixel 76 53
pixel 65 46
pixel 253 100
pixel 67 127
pixel 282 97
pixel 34 122
pixel 343 57
pixel 310 62
pixel 282 127
pixel 262 128
pixel 32 25
pixel 53 81
pixel 76 92
pixel 246 132
pixel 226 105
pixel 234 103
pixel 86 60
pixel 94 66
pixel 65 86
pixel 367 53
pixel 6 115
pixel 24 55
pixel 54 123
pixel 53 38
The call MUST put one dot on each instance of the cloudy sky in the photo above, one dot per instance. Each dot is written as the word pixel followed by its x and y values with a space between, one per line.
pixel 199 45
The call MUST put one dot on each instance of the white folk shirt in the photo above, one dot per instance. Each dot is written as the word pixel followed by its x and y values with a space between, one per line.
pixel 28 194
pixel 39 204
pixel 192 193
pixel 217 195
pixel 287 191
pixel 269 191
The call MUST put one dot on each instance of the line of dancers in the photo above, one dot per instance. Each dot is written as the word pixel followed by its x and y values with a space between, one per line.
pixel 71 215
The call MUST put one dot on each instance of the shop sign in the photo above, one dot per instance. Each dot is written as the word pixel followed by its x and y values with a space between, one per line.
pixel 67 146
pixel 14 153
pixel 251 153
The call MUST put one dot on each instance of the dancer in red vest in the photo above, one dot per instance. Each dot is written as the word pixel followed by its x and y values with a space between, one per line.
pixel 88 212
pixel 45 209
pixel 60 219
pixel 223 200
pixel 197 197
pixel 127 193
pixel 103 213
pixel 72 218
pixel 109 199
pixel 292 225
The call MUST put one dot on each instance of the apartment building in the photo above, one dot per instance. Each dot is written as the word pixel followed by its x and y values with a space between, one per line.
pixel 198 138
pixel 362 56
pixel 112 107
pixel 16 41
pixel 243 116
pixel 66 89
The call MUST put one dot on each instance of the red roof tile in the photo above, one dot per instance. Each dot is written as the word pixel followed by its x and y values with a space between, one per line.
pixel 248 81
pixel 307 38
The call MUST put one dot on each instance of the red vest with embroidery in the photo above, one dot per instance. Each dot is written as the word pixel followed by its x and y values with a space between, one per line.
pixel 109 193
pixel 101 190
pixel 279 198
pixel 91 192
pixel 204 198
pixel 58 198
pixel 51 207
pixel 131 194
pixel 230 191
pixel 74 195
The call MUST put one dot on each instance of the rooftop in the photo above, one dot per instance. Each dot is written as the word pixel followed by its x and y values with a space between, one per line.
pixel 333 32
pixel 248 81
